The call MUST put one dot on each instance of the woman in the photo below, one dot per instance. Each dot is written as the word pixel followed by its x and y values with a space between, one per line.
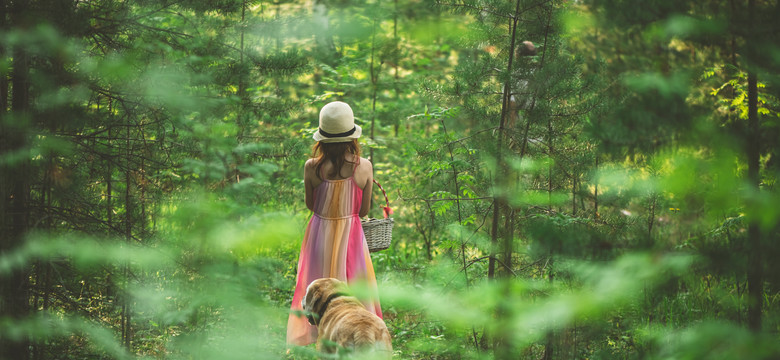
pixel 338 190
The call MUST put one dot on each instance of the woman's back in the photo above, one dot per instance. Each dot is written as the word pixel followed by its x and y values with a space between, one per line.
pixel 337 199
pixel 341 193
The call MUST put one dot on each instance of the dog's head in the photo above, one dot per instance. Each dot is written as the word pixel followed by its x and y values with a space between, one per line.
pixel 318 296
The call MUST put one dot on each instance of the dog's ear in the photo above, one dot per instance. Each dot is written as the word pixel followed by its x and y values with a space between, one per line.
pixel 312 301
pixel 316 294
pixel 308 299
pixel 309 315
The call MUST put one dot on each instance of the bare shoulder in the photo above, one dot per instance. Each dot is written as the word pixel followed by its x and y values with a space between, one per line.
pixel 364 173
pixel 311 164
pixel 368 165
pixel 365 169
pixel 310 168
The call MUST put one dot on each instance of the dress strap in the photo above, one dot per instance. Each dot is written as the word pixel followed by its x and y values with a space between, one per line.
pixel 355 168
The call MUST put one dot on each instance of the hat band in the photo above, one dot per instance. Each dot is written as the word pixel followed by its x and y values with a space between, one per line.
pixel 329 135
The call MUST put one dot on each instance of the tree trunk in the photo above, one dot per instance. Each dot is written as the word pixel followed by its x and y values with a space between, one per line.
pixel 503 346
pixel 755 263
pixel 241 88
pixel 125 318
pixel 109 170
pixel 596 192
pixel 374 74
pixel 549 345
pixel 14 192
pixel 755 274
pixel 499 204
pixel 551 154
pixel 574 194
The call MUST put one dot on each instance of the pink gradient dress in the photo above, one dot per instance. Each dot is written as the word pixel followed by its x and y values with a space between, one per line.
pixel 333 246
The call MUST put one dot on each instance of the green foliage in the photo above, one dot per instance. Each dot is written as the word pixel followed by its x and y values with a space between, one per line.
pixel 151 169
pixel 203 290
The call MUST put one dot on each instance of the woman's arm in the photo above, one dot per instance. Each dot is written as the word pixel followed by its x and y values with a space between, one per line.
pixel 309 172
pixel 367 172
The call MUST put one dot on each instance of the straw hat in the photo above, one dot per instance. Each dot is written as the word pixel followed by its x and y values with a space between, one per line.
pixel 337 124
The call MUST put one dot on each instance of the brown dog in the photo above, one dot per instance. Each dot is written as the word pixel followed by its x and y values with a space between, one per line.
pixel 342 321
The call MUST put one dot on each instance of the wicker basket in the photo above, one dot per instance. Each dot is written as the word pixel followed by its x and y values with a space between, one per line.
pixel 379 232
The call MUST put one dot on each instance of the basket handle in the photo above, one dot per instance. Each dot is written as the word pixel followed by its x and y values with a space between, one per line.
pixel 386 210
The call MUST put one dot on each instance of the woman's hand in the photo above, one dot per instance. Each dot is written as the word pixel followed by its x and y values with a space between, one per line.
pixel 309 179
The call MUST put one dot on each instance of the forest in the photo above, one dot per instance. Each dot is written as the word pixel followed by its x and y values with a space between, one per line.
pixel 569 179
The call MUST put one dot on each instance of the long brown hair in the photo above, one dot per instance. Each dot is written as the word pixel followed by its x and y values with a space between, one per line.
pixel 335 153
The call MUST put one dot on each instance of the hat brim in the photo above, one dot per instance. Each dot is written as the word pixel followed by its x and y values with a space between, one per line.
pixel 318 137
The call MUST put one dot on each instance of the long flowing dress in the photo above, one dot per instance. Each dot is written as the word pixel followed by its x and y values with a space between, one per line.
pixel 333 246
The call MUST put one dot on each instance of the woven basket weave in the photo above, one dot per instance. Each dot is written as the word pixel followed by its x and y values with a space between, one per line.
pixel 379 232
